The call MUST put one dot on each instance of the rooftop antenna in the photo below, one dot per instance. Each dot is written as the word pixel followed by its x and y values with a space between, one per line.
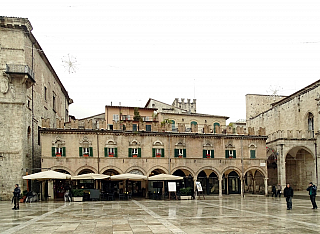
pixel 274 90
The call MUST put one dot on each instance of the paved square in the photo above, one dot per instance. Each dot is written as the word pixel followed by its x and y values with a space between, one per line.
pixel 229 214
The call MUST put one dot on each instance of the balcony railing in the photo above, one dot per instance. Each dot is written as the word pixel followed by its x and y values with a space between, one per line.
pixel 20 69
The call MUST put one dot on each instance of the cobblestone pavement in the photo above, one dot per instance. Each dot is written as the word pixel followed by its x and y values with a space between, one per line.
pixel 229 214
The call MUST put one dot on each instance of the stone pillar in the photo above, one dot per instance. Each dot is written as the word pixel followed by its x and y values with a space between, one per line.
pixel 242 188
pixel 281 166
pixel 50 190
pixel 266 186
pixel 220 186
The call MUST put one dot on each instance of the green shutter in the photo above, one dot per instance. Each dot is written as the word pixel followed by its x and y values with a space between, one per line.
pixel 106 152
pixel 153 152
pixel 116 152
pixel 80 152
pixel 234 154
pixel 212 153
pixel 176 153
pixel 53 151
pixel 252 154
pixel 204 153
pixel 130 153
pixel 227 153
pixel 63 151
pixel 162 153
pixel 184 153
pixel 139 152
pixel 90 152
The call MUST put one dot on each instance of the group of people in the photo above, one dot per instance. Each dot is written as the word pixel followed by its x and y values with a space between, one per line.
pixel 288 194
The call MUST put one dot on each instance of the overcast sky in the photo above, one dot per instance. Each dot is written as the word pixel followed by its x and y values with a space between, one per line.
pixel 216 51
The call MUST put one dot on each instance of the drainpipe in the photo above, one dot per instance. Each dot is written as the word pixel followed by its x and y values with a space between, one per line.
pixel 242 179
pixel 32 118
pixel 316 155
pixel 98 152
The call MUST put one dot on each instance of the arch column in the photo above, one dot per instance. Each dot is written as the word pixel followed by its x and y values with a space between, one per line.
pixel 220 186
pixel 281 166
pixel 266 186
pixel 242 186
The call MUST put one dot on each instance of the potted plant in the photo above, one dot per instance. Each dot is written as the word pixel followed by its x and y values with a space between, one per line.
pixel 85 155
pixel 58 154
pixel 185 193
pixel 208 155
pixel 158 155
pixel 77 195
pixel 111 154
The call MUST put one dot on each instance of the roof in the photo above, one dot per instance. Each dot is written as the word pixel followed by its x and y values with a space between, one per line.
pixel 132 107
pixel 196 114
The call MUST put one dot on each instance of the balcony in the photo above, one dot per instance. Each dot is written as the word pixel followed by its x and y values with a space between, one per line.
pixel 20 69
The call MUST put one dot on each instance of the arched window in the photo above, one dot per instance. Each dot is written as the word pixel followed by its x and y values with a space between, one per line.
pixel 214 127
pixel 310 125
pixel 194 123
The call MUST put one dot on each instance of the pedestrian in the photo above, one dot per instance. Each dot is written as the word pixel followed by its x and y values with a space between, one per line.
pixel 279 190
pixel 16 197
pixel 288 194
pixel 313 192
pixel 274 191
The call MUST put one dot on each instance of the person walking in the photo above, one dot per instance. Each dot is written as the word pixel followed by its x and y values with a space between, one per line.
pixel 274 191
pixel 279 190
pixel 313 192
pixel 16 197
pixel 288 194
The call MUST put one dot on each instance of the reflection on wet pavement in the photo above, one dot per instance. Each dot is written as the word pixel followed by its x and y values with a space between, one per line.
pixel 229 214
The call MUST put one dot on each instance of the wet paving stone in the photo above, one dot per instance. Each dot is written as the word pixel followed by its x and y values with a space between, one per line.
pixel 229 214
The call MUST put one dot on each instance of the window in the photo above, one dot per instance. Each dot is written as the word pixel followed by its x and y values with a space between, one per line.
pixel 110 152
pixel 208 153
pixel 158 153
pixel 54 101
pixel 311 125
pixel 58 151
pixel 215 127
pixel 45 93
pixel 116 118
pixel 230 154
pixel 180 153
pixel 148 128
pixel 85 152
pixel 134 152
pixel 134 127
pixel 252 154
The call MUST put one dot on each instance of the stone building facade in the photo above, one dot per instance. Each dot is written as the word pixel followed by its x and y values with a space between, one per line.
pixel 178 106
pixel 219 161
pixel 292 127
pixel 30 92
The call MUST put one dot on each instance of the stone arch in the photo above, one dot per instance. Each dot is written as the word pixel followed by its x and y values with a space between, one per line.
pixel 62 168
pixel 111 168
pixel 157 143
pixel 111 142
pixel 136 168
pixel 210 183
pixel 230 169
pixel 299 167
pixel 134 143
pixel 256 169
pixel 216 171
pixel 80 169
pixel 184 169
pixel 158 167
pixel 254 178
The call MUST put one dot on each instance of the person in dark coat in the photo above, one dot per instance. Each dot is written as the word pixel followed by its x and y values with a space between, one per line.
pixel 274 191
pixel 16 197
pixel 288 194
pixel 313 192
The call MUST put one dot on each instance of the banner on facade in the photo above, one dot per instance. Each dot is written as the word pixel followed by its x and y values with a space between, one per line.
pixel 172 186
pixel 199 187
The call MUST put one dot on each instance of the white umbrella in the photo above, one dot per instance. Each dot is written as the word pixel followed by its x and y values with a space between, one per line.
pixel 129 176
pixel 90 176
pixel 46 175
pixel 162 177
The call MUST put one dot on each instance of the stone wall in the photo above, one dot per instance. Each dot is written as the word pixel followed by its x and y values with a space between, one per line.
pixel 19 101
